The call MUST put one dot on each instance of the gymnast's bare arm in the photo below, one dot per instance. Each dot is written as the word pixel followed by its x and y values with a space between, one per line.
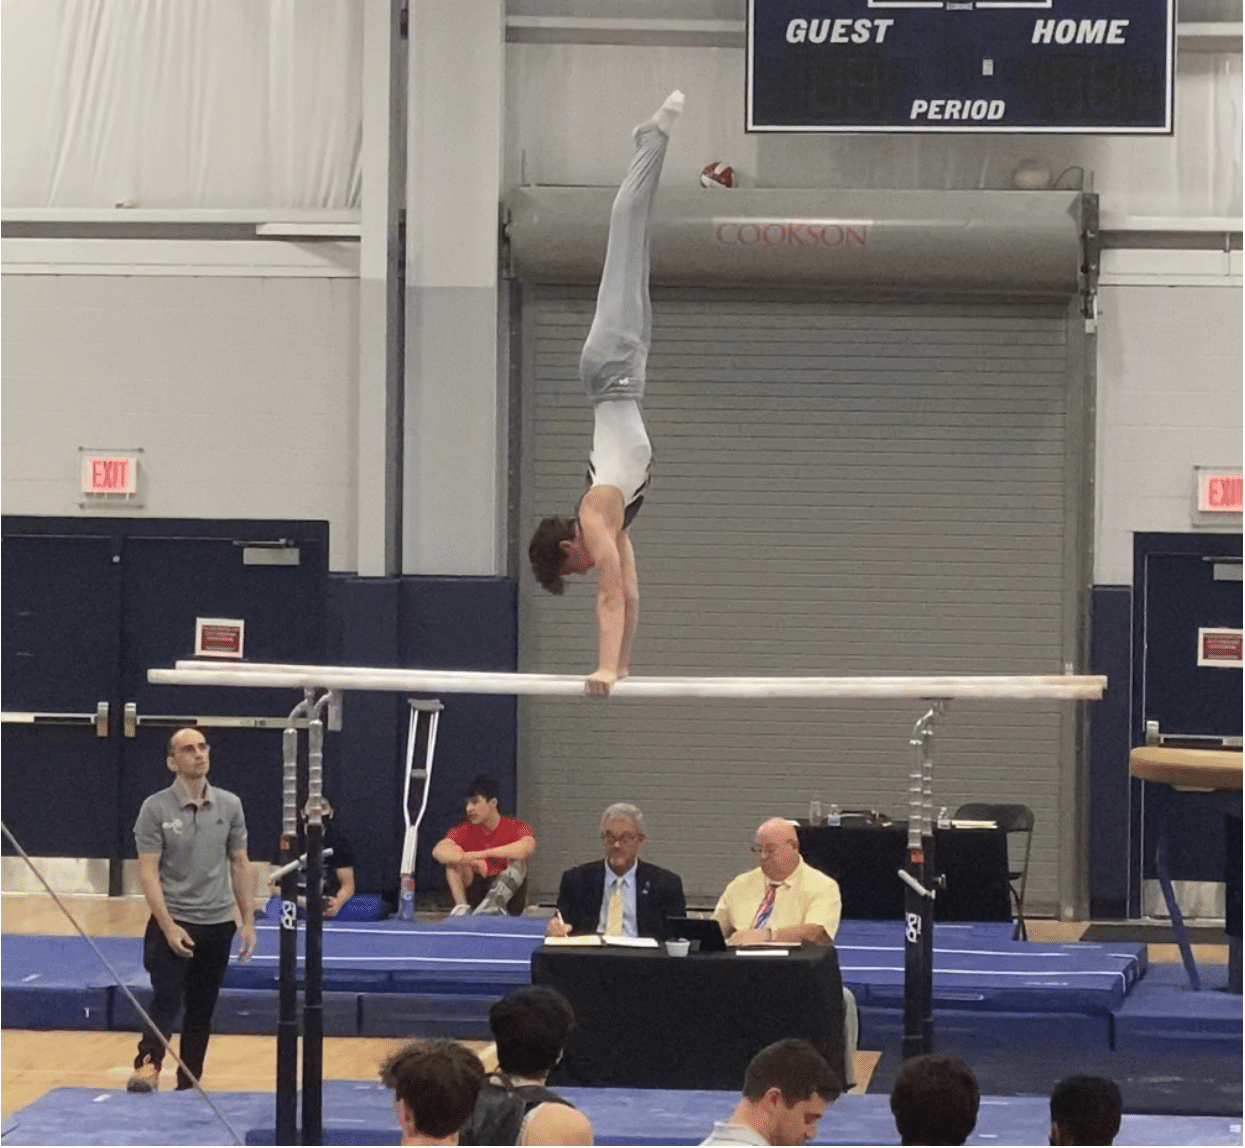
pixel 600 524
pixel 631 602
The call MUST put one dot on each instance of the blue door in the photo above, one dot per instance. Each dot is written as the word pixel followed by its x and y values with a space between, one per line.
pixel 60 609
pixel 171 581
pixel 88 608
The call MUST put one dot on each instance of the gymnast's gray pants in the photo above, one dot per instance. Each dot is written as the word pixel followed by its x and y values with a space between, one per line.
pixel 615 354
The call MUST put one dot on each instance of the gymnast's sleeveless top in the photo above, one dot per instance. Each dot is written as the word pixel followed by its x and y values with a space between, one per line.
pixel 502 1110
pixel 621 453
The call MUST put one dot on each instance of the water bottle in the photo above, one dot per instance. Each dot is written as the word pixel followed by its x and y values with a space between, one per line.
pixel 814 812
pixel 944 818
pixel 406 903
pixel 834 817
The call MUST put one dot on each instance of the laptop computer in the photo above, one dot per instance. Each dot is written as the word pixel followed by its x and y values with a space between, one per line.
pixel 704 933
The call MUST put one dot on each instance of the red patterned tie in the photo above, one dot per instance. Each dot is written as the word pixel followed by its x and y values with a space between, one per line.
pixel 765 908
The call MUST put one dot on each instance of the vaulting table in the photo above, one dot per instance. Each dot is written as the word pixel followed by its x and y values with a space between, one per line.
pixel 648 1020
pixel 1216 773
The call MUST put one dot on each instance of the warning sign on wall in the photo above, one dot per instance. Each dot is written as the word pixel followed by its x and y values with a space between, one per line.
pixel 219 637
pixel 1220 647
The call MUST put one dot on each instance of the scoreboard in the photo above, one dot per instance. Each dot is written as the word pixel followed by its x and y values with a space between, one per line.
pixel 1105 66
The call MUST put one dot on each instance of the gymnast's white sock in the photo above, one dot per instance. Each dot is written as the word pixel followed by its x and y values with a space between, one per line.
pixel 663 118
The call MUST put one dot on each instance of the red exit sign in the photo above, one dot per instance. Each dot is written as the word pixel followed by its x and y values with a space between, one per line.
pixel 1219 492
pixel 109 474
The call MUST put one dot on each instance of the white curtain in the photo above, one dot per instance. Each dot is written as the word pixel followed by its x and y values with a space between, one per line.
pixel 181 103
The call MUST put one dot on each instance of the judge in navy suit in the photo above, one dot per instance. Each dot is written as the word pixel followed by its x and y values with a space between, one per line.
pixel 619 894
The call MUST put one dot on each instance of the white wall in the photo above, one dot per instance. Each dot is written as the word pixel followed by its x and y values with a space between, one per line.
pixel 118 360
pixel 239 390
pixel 1169 399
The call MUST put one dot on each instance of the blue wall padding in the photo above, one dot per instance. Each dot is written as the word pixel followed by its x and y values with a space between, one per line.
pixel 1110 653
pixel 462 624
pixel 424 1014
pixel 427 623
pixel 365 786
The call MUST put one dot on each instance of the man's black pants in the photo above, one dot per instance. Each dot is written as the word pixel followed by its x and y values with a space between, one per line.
pixel 193 981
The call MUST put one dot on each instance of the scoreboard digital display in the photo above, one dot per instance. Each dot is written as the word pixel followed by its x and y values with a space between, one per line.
pixel 1105 66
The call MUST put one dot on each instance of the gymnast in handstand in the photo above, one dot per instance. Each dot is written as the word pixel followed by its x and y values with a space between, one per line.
pixel 612 367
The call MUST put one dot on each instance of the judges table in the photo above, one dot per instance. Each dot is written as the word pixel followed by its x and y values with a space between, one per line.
pixel 864 860
pixel 648 1020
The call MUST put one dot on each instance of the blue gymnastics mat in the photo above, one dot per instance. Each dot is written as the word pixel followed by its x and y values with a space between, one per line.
pixel 1164 1011
pixel 362 1113
pixel 395 978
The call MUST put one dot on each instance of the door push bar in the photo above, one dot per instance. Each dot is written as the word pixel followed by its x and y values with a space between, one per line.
pixel 1154 736
pixel 99 719
pixel 133 719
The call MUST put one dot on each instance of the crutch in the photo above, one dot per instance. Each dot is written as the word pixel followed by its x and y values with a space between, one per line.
pixel 406 901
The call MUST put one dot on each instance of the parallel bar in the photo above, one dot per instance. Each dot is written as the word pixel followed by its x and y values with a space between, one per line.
pixel 1050 687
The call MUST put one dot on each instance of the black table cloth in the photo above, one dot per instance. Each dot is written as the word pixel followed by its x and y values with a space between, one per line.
pixel 648 1020
pixel 864 860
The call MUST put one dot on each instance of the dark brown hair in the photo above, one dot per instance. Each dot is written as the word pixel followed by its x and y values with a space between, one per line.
pixel 438 1080
pixel 795 1068
pixel 1087 1110
pixel 935 1101
pixel 530 1027
pixel 545 551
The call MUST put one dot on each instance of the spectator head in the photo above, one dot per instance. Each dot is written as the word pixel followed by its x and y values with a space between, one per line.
pixel 787 1088
pixel 935 1101
pixel 435 1085
pixel 481 799
pixel 1085 1110
pixel 622 835
pixel 530 1027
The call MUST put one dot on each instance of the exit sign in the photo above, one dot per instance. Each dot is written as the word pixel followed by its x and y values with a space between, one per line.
pixel 109 474
pixel 1219 492
pixel 109 477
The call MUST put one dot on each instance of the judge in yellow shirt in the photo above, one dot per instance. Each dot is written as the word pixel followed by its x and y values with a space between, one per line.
pixel 785 899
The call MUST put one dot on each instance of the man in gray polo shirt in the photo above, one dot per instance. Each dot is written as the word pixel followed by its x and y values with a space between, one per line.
pixel 194 870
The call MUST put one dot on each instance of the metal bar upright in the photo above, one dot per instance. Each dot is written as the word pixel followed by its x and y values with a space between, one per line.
pixel 287 980
pixel 920 884
pixel 313 1003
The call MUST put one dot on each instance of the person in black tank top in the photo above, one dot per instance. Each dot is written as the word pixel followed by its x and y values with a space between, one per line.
pixel 530 1027
pixel 502 1111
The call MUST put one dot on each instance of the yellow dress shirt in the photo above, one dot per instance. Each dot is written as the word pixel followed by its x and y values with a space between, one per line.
pixel 807 897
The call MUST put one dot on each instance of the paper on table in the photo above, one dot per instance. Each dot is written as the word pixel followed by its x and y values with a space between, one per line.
pixel 960 823
pixel 762 952
pixel 632 942
pixel 583 939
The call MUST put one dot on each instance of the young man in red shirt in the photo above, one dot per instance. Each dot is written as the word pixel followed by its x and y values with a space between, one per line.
pixel 486 857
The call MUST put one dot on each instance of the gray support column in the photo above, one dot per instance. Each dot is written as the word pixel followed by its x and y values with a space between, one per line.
pixel 453 507
pixel 378 457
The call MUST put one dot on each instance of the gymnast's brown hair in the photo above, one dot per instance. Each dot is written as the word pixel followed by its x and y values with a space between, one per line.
pixel 545 551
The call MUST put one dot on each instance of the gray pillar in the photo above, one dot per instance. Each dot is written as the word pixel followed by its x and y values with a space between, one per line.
pixel 378 455
pixel 453 509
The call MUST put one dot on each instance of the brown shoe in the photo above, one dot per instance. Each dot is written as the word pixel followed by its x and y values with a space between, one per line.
pixel 145 1078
